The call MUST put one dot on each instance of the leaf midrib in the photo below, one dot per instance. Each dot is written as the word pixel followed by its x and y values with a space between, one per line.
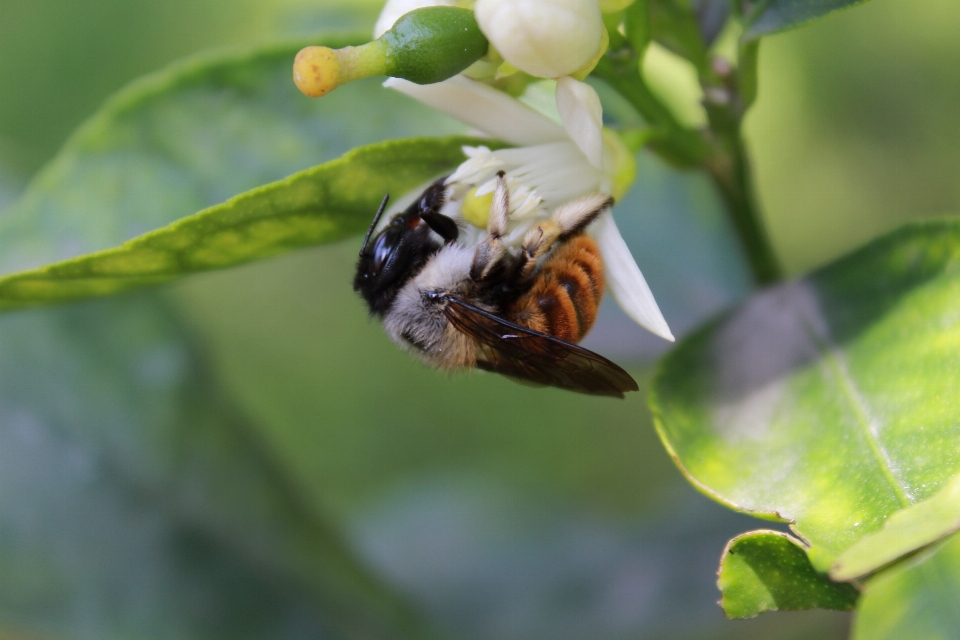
pixel 832 358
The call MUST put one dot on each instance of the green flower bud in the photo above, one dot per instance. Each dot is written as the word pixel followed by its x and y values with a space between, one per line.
pixel 424 46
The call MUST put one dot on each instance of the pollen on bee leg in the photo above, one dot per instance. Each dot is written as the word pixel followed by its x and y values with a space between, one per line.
pixel 538 240
pixel 491 250
pixel 577 214
pixel 541 236
pixel 500 207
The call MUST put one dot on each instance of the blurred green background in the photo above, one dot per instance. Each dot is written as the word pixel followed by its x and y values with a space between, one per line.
pixel 500 511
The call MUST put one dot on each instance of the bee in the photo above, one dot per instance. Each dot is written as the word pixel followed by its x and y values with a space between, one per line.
pixel 519 314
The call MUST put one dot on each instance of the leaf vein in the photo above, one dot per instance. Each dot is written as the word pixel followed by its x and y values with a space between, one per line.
pixel 835 361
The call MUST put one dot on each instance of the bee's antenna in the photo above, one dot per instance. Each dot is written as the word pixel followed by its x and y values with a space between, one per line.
pixel 373 225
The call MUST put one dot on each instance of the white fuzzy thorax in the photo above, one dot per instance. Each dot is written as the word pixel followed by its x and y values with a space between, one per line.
pixel 420 327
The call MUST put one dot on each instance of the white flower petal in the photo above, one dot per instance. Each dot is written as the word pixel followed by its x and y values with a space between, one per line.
pixel 481 164
pixel 625 281
pixel 396 8
pixel 582 116
pixel 544 38
pixel 558 171
pixel 492 112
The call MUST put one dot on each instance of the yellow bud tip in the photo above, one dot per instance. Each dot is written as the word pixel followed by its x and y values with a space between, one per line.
pixel 316 71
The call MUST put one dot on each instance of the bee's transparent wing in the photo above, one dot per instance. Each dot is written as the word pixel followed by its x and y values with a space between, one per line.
pixel 519 352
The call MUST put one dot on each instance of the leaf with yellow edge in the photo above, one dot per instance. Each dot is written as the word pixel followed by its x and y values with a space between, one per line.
pixel 323 204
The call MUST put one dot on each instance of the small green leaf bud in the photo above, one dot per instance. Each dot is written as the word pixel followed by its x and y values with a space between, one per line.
pixel 424 46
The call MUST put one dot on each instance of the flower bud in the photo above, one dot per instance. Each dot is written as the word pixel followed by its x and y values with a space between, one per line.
pixel 424 46
pixel 434 43
pixel 543 38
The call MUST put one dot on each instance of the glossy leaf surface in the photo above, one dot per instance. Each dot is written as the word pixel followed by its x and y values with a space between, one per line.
pixel 920 599
pixel 827 402
pixel 770 16
pixel 765 571
pixel 323 204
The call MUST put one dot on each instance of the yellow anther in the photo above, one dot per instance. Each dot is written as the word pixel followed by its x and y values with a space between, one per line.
pixel 476 209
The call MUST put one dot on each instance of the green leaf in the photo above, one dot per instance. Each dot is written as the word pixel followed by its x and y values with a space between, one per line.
pixel 712 17
pixel 7 190
pixel 770 16
pixel 828 402
pixel 191 136
pixel 674 25
pixel 920 599
pixel 324 204
pixel 749 63
pixel 138 502
pixel 636 24
pixel 769 571
pixel 906 531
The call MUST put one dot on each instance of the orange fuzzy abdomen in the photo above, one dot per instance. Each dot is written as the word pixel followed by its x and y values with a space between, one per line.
pixel 566 293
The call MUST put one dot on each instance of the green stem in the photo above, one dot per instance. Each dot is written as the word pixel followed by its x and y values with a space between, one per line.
pixel 731 173
pixel 726 100
pixel 720 151
pixel 677 144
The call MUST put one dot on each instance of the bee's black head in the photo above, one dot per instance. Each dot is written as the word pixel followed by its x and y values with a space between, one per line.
pixel 395 255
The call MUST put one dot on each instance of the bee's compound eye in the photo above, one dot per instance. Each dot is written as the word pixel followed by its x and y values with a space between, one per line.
pixel 381 251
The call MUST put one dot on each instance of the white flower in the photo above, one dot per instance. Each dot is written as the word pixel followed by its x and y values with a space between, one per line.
pixel 551 164
pixel 544 38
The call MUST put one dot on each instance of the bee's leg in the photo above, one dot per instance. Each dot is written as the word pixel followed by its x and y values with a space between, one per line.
pixel 536 242
pixel 491 251
pixel 576 215
pixel 427 208
pixel 567 220
pixel 444 226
